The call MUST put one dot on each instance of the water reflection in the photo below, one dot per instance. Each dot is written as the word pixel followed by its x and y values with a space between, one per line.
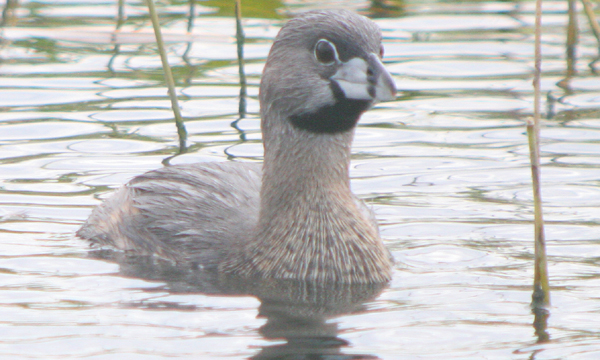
pixel 300 316
pixel 297 312
pixel 540 324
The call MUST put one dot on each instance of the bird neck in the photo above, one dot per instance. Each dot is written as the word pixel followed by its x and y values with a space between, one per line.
pixel 311 226
pixel 301 168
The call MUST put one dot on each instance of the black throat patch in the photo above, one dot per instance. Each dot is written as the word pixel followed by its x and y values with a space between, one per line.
pixel 338 117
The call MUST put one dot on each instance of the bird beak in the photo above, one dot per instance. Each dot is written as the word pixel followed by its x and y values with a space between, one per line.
pixel 368 79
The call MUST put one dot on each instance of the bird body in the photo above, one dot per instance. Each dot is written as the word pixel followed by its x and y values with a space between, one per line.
pixel 295 217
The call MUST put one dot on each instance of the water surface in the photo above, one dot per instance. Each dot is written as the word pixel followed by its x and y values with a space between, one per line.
pixel 445 167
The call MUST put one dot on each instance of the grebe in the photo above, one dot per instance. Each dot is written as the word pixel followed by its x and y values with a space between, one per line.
pixel 295 216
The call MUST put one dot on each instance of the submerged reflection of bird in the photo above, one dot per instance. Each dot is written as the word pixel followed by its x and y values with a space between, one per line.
pixel 295 217
pixel 301 313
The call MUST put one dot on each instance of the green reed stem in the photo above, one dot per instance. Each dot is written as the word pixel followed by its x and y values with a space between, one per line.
pixel 589 12
pixel 120 14
pixel 572 38
pixel 168 77
pixel 541 287
pixel 240 39
pixel 8 15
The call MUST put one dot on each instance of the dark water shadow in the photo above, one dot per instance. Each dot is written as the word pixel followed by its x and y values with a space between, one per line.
pixel 540 324
pixel 297 312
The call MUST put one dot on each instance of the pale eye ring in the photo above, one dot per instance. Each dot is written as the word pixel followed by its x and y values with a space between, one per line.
pixel 325 52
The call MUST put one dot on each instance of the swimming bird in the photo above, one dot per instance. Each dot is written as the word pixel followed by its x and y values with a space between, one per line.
pixel 294 216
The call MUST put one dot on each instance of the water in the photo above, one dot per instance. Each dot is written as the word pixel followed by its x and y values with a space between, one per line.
pixel 445 167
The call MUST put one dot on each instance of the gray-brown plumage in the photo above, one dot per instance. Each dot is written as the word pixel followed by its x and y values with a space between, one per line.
pixel 295 218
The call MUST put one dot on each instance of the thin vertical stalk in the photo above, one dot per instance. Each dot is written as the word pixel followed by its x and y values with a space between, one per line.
pixel 120 21
pixel 191 16
pixel 8 16
pixel 572 37
pixel 120 14
pixel 168 77
pixel 541 287
pixel 589 12
pixel 240 53
pixel 190 44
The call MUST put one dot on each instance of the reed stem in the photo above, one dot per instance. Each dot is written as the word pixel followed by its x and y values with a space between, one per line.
pixel 181 132
pixel 541 287
pixel 240 53
pixel 572 38
pixel 589 12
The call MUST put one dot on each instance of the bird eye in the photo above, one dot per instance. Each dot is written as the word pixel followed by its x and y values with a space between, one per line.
pixel 325 52
pixel 381 51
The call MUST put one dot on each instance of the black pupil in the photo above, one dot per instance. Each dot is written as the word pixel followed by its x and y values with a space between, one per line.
pixel 325 52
